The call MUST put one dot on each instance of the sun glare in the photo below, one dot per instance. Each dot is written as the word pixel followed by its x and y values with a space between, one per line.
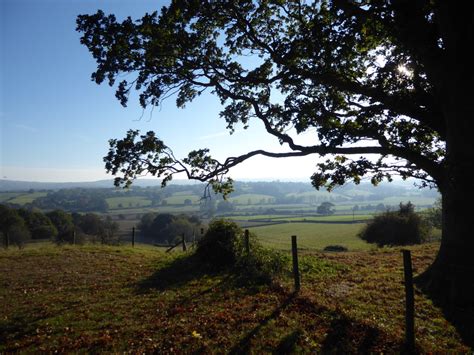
pixel 403 70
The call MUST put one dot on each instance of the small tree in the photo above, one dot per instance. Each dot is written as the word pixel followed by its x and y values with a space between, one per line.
pixel 39 225
pixel 108 231
pixel 400 227
pixel 64 224
pixel 222 247
pixel 326 208
pixel 18 234
pixel 218 247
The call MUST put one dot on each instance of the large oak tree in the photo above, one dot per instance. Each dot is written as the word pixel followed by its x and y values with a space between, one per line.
pixel 386 77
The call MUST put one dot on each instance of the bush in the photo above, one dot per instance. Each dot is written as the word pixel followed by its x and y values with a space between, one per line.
pixel 222 247
pixel 402 227
pixel 336 248
pixel 219 246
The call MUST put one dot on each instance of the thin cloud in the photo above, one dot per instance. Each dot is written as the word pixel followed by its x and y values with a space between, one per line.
pixel 216 135
pixel 24 127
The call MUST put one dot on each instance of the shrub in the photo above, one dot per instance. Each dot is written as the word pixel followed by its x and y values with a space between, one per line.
pixel 222 247
pixel 219 246
pixel 336 248
pixel 400 227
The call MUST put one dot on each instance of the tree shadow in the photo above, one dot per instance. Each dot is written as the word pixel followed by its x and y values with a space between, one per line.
pixel 18 327
pixel 344 335
pixel 243 346
pixel 175 274
pixel 288 344
pixel 461 315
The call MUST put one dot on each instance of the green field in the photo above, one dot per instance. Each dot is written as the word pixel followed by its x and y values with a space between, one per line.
pixel 20 198
pixel 252 198
pixel 178 198
pixel 127 202
pixel 278 218
pixel 311 235
pixel 5 196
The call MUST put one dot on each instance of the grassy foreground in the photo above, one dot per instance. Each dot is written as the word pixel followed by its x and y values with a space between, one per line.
pixel 95 298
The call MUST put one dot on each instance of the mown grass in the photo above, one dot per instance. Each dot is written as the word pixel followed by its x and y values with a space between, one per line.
pixel 113 299
pixel 312 236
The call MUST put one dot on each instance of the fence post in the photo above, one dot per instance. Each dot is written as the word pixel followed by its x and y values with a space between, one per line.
pixel 184 243
pixel 74 237
pixel 133 236
pixel 296 271
pixel 409 301
pixel 247 241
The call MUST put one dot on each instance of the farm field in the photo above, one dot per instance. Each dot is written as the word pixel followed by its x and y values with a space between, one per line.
pixel 127 202
pixel 311 236
pixel 179 198
pixel 289 218
pixel 254 199
pixel 20 198
pixel 113 299
pixel 5 196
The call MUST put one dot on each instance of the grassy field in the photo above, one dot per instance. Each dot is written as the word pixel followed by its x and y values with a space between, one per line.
pixel 22 198
pixel 312 236
pixel 178 198
pixel 127 202
pixel 88 299
pixel 290 217
pixel 5 196
pixel 254 199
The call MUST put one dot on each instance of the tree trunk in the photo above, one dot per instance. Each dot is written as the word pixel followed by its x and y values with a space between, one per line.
pixel 451 277
pixel 450 280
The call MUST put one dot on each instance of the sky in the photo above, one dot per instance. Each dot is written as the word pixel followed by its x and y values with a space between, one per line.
pixel 55 122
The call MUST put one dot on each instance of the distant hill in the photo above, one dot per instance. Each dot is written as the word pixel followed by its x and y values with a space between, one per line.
pixel 15 185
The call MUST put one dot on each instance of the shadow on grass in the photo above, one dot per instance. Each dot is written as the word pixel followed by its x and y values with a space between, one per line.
pixel 243 346
pixel 17 327
pixel 175 274
pixel 344 335
pixel 185 269
pixel 461 316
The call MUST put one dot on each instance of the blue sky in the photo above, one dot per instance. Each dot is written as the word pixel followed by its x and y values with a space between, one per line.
pixel 55 122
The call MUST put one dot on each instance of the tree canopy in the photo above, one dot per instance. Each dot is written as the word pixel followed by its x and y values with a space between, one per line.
pixel 351 71
pixel 388 79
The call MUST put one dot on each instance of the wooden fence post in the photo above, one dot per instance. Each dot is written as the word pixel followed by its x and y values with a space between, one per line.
pixel 409 301
pixel 247 241
pixel 133 236
pixel 296 271
pixel 184 243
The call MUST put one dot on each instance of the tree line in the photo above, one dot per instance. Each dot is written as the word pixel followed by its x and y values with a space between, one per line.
pixel 166 228
pixel 18 226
